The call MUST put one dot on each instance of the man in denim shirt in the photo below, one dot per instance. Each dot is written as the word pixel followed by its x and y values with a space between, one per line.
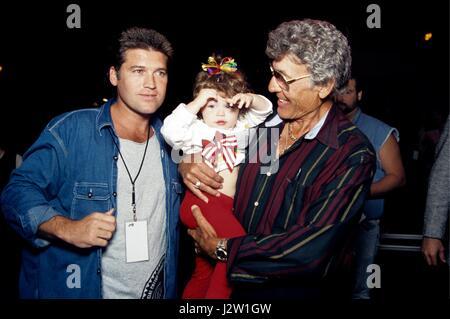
pixel 389 175
pixel 97 196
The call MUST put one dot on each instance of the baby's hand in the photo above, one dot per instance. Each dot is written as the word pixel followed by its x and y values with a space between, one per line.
pixel 203 97
pixel 241 100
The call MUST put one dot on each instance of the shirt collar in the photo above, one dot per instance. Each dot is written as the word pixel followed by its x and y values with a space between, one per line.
pixel 315 130
pixel 274 121
pixel 104 118
pixel 327 133
pixel 326 130
pixel 357 115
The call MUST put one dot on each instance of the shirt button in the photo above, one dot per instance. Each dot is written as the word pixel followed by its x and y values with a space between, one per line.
pixel 114 194
pixel 98 270
pixel 256 204
pixel 115 157
pixel 89 194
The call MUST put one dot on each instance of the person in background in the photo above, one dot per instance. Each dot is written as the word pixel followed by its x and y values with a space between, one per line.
pixel 389 174
pixel 438 204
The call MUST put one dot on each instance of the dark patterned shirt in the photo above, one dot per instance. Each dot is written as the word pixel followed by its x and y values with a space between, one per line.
pixel 299 210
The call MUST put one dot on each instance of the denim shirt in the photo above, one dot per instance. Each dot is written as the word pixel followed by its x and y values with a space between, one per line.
pixel 377 132
pixel 71 170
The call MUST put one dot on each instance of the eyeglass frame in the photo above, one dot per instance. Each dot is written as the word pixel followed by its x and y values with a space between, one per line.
pixel 285 84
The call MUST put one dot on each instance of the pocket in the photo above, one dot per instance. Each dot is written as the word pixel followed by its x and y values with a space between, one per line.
pixel 293 201
pixel 89 198
pixel 176 186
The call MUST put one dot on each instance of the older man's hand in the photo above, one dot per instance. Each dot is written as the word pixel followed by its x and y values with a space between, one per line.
pixel 204 235
pixel 199 177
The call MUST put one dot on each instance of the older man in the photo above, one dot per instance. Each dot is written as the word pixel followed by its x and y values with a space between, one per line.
pixel 300 212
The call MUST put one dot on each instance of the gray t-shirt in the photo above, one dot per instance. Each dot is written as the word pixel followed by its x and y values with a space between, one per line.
pixel 142 279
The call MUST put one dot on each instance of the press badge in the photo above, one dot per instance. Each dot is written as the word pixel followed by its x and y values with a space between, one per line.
pixel 136 241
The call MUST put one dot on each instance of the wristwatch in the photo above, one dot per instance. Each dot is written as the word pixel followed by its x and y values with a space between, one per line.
pixel 221 250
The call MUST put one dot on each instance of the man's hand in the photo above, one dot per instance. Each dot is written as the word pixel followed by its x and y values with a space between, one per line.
pixel 204 235
pixel 432 248
pixel 95 229
pixel 199 177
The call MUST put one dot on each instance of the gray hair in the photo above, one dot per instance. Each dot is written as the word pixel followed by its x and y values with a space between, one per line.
pixel 318 44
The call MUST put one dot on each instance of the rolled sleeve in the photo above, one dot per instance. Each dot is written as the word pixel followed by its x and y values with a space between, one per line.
pixel 33 219
pixel 26 199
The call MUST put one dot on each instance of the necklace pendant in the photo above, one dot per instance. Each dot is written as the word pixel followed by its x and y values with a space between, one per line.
pixel 291 135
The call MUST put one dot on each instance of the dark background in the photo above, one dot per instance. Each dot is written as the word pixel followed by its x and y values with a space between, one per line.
pixel 49 69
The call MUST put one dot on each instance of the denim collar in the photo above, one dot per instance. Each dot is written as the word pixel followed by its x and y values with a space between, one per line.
pixel 104 119
pixel 357 116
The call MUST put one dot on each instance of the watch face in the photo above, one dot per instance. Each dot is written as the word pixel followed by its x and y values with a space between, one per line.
pixel 221 254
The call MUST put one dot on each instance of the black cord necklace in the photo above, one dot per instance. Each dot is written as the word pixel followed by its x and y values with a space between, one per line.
pixel 133 181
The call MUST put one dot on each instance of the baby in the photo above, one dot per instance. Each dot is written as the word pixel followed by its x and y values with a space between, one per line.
pixel 215 123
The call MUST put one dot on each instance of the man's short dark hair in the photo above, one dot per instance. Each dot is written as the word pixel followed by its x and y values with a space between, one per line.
pixel 359 83
pixel 141 38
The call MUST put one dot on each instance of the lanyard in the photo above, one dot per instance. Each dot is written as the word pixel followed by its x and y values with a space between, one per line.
pixel 133 181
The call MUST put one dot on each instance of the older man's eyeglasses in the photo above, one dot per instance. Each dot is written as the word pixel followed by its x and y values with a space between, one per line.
pixel 281 80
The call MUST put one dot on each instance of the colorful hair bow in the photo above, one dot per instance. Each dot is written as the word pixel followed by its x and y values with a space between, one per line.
pixel 227 65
